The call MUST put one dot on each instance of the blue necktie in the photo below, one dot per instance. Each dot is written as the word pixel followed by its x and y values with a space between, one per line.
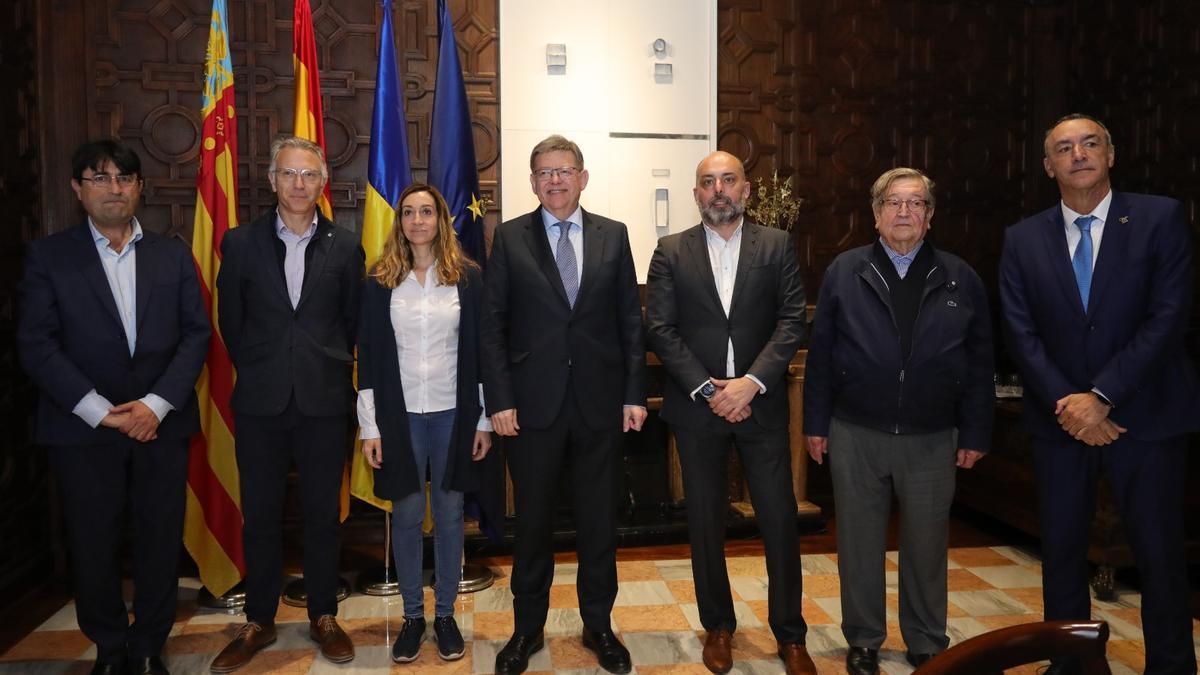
pixel 565 257
pixel 1082 260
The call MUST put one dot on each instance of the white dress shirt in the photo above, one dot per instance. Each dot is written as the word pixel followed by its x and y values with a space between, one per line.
pixel 574 233
pixel 1101 215
pixel 723 255
pixel 425 319
pixel 294 246
pixel 121 271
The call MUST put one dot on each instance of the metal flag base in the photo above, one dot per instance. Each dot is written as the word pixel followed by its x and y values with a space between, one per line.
pixel 475 578
pixel 378 581
pixel 231 601
pixel 294 594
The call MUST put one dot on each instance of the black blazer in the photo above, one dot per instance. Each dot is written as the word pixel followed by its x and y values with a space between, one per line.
pixel 278 350
pixel 379 369
pixel 1129 341
pixel 532 338
pixel 71 339
pixel 689 332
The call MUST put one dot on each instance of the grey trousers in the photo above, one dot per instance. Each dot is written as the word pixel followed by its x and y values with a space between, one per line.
pixel 867 466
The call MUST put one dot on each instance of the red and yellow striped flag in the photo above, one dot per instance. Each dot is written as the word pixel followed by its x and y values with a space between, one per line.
pixel 213 525
pixel 310 118
pixel 310 125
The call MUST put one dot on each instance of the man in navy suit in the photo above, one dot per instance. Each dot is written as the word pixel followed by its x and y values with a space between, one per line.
pixel 114 334
pixel 1096 293
pixel 564 376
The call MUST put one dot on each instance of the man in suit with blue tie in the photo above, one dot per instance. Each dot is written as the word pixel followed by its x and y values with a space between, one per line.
pixel 114 334
pixel 1096 293
pixel 563 376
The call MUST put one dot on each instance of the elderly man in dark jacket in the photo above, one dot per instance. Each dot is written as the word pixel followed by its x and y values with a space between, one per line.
pixel 898 391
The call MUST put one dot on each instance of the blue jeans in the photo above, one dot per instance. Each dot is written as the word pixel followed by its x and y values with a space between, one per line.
pixel 431 448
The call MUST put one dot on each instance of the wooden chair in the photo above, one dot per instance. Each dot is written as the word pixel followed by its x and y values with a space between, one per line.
pixel 993 652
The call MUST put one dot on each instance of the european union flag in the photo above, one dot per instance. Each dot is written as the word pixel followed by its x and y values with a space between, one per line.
pixel 452 167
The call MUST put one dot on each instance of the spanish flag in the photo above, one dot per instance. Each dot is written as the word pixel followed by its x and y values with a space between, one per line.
pixel 213 524
pixel 388 173
pixel 309 123
pixel 309 119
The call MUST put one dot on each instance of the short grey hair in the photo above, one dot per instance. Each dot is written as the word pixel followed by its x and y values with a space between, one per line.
pixel 556 143
pixel 1068 118
pixel 900 173
pixel 300 144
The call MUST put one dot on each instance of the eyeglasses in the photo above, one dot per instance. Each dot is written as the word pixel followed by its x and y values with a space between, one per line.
pixel 103 180
pixel 562 173
pixel 309 176
pixel 914 205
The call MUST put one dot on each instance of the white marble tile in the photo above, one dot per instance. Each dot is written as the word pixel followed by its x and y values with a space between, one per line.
pixel 987 603
pixel 745 617
pixel 1119 668
pixel 826 640
pixel 371 607
pixel 366 660
pixel 1009 576
pixel 675 570
pixel 37 667
pixel 749 588
pixel 217 617
pixel 565 573
pixel 891 581
pixel 494 599
pixel 1018 555
pixel 817 563
pixel 758 667
pixel 692 613
pixel 650 649
pixel 644 593
pixel 831 606
pixel 1118 628
pixel 182 664
pixel 63 619
pixel 563 621
pixel 964 628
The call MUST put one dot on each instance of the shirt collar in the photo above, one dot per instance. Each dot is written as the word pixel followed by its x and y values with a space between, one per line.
pixel 576 218
pixel 1100 212
pixel 710 233
pixel 281 228
pixel 102 241
pixel 893 255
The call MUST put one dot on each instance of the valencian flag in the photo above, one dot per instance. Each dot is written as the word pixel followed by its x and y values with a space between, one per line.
pixel 213 524
pixel 388 173
pixel 452 167
pixel 309 123
pixel 309 118
pixel 453 172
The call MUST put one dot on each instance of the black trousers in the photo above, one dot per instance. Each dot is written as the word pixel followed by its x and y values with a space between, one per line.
pixel 767 463
pixel 96 481
pixel 1147 481
pixel 266 448
pixel 535 460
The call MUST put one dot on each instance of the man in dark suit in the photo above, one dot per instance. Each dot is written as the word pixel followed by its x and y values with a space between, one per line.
pixel 1096 293
pixel 563 376
pixel 725 315
pixel 114 334
pixel 289 291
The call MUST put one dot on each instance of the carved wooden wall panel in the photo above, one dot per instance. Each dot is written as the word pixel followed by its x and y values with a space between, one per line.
pixel 25 534
pixel 835 93
pixel 144 73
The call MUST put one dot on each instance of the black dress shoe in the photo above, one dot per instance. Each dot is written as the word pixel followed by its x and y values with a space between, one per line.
pixel 147 665
pixel 862 661
pixel 514 658
pixel 613 655
pixel 116 667
pixel 917 660
pixel 1071 668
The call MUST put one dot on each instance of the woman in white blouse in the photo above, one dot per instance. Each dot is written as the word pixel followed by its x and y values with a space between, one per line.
pixel 419 402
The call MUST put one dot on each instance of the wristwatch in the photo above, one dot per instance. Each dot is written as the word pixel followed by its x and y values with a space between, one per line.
pixel 708 390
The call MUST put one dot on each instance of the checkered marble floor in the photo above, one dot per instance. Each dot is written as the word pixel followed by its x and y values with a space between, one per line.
pixel 655 615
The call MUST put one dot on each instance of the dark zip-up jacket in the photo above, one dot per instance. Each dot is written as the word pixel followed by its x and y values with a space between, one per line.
pixel 857 373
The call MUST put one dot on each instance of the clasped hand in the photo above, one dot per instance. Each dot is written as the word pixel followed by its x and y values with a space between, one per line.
pixel 1085 417
pixel 732 400
pixel 134 419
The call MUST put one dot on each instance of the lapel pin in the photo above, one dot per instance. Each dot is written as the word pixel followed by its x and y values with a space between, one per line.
pixel 951 303
pixel 951 285
pixel 1124 219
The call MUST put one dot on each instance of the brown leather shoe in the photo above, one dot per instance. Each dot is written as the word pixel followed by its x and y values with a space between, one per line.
pixel 796 660
pixel 335 644
pixel 248 640
pixel 717 654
